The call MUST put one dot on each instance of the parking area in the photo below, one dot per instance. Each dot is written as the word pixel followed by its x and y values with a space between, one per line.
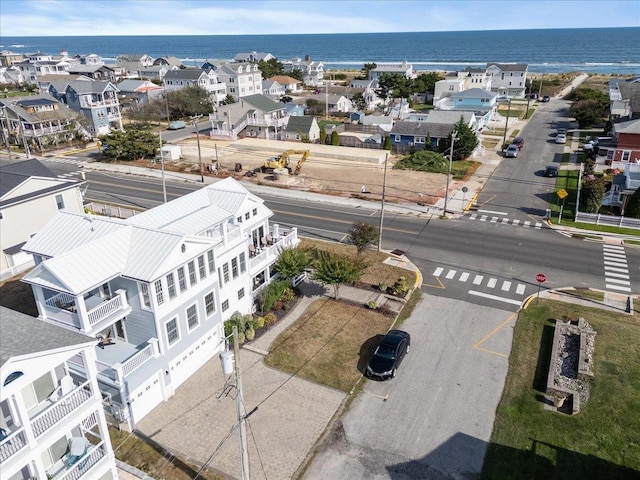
pixel 434 420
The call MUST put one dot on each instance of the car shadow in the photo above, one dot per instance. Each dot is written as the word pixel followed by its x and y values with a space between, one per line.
pixel 366 352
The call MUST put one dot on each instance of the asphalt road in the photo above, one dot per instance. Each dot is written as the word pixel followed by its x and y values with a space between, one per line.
pixel 434 420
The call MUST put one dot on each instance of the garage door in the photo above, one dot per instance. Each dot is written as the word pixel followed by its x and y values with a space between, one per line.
pixel 193 358
pixel 145 398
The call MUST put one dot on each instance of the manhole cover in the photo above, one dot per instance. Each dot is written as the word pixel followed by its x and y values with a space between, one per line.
pixel 397 252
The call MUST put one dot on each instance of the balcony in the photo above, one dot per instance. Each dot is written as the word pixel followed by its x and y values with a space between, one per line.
pixel 12 444
pixel 55 414
pixel 267 254
pixel 107 102
pixel 118 361
pixel 268 122
pixel 83 468
pixel 85 313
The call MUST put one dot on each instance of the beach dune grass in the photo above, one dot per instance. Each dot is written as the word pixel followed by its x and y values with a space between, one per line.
pixel 603 440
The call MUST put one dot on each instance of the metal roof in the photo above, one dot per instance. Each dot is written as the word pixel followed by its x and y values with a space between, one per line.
pixel 185 74
pixel 24 335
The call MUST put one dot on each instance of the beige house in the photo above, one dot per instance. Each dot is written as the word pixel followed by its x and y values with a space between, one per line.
pixel 30 196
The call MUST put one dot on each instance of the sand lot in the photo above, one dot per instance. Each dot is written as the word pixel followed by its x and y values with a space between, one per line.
pixel 332 170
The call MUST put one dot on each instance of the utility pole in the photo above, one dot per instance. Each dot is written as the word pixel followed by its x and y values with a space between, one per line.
pixel 166 103
pixel 506 126
pixel 244 454
pixel 6 131
pixel 195 124
pixel 384 189
pixel 454 136
pixel 164 185
pixel 540 90
pixel 526 114
pixel 217 161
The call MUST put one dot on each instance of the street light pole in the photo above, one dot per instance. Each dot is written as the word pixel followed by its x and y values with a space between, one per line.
pixel 384 188
pixel 6 131
pixel 242 415
pixel 506 126
pixel 454 136
pixel 540 90
pixel 195 124
pixel 164 185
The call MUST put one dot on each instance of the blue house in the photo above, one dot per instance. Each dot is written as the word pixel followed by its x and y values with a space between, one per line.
pixel 409 134
pixel 356 117
pixel 474 99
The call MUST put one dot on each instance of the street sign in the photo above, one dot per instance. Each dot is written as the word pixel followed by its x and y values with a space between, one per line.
pixel 562 193
pixel 541 277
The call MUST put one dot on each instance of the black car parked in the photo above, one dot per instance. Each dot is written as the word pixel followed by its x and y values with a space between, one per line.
pixel 389 354
pixel 551 171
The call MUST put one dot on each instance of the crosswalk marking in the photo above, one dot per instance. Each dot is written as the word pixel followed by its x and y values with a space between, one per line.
pixel 621 282
pixel 438 271
pixel 473 216
pixel 616 269
pixel 494 219
pixel 506 286
pixel 451 274
pixel 505 220
pixel 494 297
pixel 616 287
pixel 483 218
pixel 492 282
pixel 520 289
pixel 516 222
pixel 464 276
pixel 478 280
pixel 538 225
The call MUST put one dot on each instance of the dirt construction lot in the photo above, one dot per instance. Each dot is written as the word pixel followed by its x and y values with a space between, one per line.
pixel 331 170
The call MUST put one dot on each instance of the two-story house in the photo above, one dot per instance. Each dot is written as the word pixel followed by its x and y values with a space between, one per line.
pixel 8 58
pixel 253 57
pixel 37 120
pixel 624 154
pixel 155 289
pixel 624 98
pixel 508 79
pixel 312 71
pixel 138 92
pixel 30 196
pixel 253 116
pixel 456 82
pixel 94 72
pixel 242 79
pixel 96 100
pixel 290 84
pixel 405 69
pixel 52 422
pixel 208 80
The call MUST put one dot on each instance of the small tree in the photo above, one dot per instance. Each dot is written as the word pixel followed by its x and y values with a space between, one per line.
pixel 363 234
pixel 293 262
pixel 633 205
pixel 592 194
pixel 336 270
pixel 335 138
pixel 465 144
pixel 387 143
pixel 358 101
pixel 323 136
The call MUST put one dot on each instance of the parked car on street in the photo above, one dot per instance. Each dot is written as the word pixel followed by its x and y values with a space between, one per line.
pixel 177 125
pixel 561 130
pixel 389 355
pixel 551 171
pixel 561 138
pixel 511 151
pixel 518 142
pixel 546 98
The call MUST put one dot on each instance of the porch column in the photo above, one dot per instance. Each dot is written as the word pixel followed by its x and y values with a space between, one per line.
pixel 22 415
pixel 83 316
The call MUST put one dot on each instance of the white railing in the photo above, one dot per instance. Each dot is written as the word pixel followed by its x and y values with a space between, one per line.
pixel 82 468
pixel 12 444
pixel 110 210
pixel 105 309
pixel 135 361
pixel 60 409
pixel 62 299
pixel 98 103
pixel 600 219
pixel 107 370
pixel 271 252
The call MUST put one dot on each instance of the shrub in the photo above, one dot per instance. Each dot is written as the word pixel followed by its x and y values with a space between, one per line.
pixel 372 304
pixel 274 292
pixel 399 288
pixel 250 333
pixel 383 286
pixel 270 318
pixel 241 338
pixel 287 296
pixel 260 322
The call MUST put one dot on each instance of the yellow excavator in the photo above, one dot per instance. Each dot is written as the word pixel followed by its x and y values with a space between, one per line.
pixel 283 161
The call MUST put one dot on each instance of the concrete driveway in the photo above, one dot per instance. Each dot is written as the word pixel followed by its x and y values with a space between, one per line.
pixel 434 420
pixel 200 419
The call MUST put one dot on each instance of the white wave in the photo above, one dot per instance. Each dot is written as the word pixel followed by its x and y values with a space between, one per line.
pixel 18 46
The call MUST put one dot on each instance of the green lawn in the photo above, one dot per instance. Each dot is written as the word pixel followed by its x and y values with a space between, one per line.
pixel 567 180
pixel 603 440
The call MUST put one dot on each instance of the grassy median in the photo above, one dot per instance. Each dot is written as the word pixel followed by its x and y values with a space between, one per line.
pixel 600 442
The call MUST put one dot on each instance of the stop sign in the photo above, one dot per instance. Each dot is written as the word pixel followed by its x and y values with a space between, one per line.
pixel 540 277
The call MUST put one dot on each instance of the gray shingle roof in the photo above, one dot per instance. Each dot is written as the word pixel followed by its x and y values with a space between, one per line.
pixel 299 124
pixel 410 128
pixel 184 74
pixel 261 102
pixel 510 67
pixel 24 335
pixel 94 86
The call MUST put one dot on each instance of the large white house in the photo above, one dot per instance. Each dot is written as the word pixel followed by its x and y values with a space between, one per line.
pixel 52 422
pixel 30 196
pixel 508 78
pixel 156 288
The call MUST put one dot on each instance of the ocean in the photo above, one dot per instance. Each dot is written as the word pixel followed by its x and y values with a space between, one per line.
pixel 589 50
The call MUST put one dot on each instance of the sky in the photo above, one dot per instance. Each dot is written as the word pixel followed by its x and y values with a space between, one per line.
pixel 240 17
